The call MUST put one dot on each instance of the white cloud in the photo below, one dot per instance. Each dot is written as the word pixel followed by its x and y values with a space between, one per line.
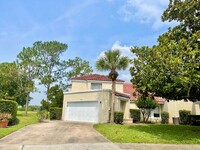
pixel 144 11
pixel 125 50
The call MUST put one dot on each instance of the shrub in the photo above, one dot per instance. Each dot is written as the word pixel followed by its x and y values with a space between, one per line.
pixel 164 117
pixel 33 108
pixel 41 115
pixel 55 113
pixel 183 117
pixel 118 117
pixel 135 115
pixel 9 106
pixel 45 105
pixel 13 121
pixel 194 120
pixel 146 104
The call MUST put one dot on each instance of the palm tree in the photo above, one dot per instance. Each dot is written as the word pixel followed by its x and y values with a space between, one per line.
pixel 112 61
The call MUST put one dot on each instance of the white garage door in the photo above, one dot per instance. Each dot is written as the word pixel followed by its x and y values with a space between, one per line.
pixel 86 111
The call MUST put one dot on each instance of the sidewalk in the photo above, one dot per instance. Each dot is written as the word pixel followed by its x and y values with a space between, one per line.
pixel 142 146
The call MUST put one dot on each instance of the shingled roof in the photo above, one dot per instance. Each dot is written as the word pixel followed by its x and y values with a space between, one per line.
pixel 96 77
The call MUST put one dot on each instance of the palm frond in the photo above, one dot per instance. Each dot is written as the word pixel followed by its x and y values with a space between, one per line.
pixel 112 60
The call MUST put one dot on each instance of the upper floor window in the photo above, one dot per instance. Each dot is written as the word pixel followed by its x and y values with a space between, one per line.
pixel 95 86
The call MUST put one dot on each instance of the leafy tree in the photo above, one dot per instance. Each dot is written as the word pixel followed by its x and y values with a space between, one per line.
pixel 171 69
pixel 78 67
pixel 11 83
pixel 27 62
pixel 112 61
pixel 45 105
pixel 55 96
pixel 186 12
pixel 8 81
pixel 146 104
pixel 51 68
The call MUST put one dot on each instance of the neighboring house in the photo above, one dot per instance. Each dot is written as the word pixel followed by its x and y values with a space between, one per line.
pixel 89 99
pixel 155 114
pixel 172 106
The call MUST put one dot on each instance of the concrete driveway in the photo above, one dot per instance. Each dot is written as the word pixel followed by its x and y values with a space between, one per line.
pixel 52 133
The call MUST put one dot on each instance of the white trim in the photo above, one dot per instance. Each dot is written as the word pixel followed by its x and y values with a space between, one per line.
pixel 122 98
pixel 161 103
pixel 87 91
pixel 123 93
pixel 78 101
pixel 97 81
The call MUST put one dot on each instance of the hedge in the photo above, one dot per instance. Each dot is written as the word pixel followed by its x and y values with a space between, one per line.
pixel 164 117
pixel 183 117
pixel 118 117
pixel 9 106
pixel 194 120
pixel 42 115
pixel 55 113
pixel 135 115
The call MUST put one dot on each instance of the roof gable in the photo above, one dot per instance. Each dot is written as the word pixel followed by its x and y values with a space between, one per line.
pixel 96 77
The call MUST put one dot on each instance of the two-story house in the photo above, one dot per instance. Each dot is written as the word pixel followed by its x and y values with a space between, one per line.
pixel 89 99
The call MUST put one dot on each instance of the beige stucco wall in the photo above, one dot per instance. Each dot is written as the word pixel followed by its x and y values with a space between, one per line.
pixel 133 106
pixel 123 105
pixel 196 108
pixel 104 99
pixel 104 109
pixel 79 86
pixel 108 85
pixel 86 85
pixel 126 109
pixel 173 107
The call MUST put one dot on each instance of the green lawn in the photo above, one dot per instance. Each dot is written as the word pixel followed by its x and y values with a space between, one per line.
pixel 23 121
pixel 150 133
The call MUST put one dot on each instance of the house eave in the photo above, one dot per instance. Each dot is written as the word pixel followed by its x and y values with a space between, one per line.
pixel 122 98
pixel 87 91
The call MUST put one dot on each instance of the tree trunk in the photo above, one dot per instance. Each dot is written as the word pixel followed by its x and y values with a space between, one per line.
pixel 113 102
pixel 143 115
pixel 48 87
pixel 26 106
pixel 148 114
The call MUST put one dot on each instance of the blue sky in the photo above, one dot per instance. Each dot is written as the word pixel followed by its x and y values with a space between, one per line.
pixel 89 27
